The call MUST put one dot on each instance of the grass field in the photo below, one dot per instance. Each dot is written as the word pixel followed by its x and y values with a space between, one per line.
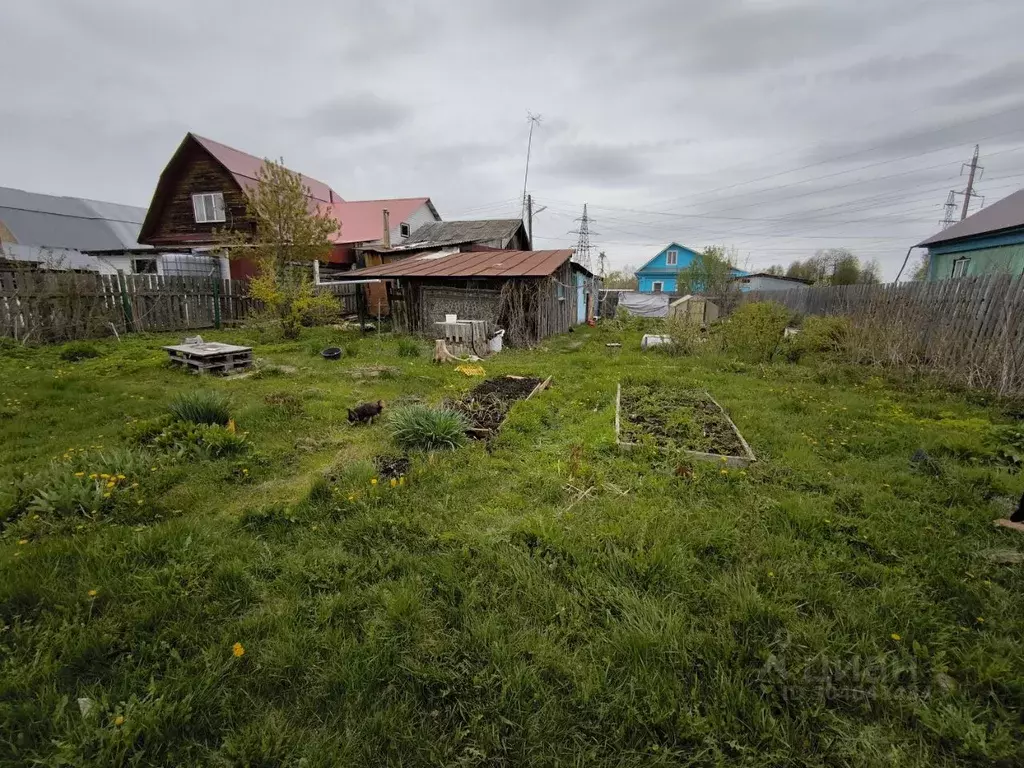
pixel 542 600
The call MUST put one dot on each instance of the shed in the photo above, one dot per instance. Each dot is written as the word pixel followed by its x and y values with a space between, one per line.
pixel 699 310
pixel 531 294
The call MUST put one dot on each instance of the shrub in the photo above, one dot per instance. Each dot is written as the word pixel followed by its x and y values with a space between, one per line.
pixel 823 334
pixel 202 407
pixel 755 330
pixel 408 348
pixel 78 350
pixel 429 429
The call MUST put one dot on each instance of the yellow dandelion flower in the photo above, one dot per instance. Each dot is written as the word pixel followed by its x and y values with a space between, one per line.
pixel 724 458
pixel 23 542
pixel 104 476
pixel 93 592
pixel 93 476
pixel 981 620
pixel 79 474
pixel 895 637
pixel 401 480
pixel 238 650
pixel 139 502
pixel 771 574
pixel 725 471
pixel 231 426
pixel 106 495
pixel 373 481
pixel 152 469
pixel 393 482
pixel 121 477
pixel 119 720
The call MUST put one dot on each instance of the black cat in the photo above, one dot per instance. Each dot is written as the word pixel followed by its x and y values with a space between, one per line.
pixel 365 413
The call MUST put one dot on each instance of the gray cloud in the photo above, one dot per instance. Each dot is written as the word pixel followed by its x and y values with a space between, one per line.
pixel 776 126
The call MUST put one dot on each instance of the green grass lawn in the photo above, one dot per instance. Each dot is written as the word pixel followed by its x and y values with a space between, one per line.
pixel 545 599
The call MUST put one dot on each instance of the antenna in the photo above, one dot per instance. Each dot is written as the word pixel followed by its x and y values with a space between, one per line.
pixel 533 120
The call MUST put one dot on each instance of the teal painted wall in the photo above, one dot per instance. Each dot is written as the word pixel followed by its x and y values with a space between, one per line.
pixel 984 261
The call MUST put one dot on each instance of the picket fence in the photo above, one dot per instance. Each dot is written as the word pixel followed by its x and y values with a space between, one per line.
pixel 40 306
pixel 971 328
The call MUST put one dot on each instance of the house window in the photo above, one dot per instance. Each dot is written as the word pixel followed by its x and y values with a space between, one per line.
pixel 960 267
pixel 404 230
pixel 209 207
pixel 561 292
pixel 144 266
pixel 672 258
pixel 657 286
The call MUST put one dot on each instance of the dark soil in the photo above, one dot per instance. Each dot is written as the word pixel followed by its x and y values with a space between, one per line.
pixel 676 419
pixel 487 405
pixel 389 467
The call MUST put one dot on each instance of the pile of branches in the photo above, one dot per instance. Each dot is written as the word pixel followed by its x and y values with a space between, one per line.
pixel 517 306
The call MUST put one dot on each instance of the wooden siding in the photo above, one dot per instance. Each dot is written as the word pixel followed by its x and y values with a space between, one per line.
pixel 196 172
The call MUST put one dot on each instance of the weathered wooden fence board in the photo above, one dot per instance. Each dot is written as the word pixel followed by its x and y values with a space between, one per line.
pixel 59 306
pixel 971 329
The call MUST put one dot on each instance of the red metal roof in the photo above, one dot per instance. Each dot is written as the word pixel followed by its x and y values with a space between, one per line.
pixel 362 221
pixel 469 264
pixel 245 168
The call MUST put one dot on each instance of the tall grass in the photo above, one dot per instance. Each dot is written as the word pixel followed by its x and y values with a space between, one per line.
pixel 201 407
pixel 420 427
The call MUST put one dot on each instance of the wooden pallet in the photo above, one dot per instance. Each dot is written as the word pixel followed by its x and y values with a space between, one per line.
pixel 211 357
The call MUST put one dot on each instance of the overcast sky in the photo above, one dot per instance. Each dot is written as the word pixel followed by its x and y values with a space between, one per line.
pixel 771 126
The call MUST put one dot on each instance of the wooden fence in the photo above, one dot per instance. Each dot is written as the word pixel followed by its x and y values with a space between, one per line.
pixel 42 306
pixel 971 328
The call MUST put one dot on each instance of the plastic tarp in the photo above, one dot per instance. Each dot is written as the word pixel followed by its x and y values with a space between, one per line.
pixel 644 304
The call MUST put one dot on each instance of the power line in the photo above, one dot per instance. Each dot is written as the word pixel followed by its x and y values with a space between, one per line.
pixel 534 121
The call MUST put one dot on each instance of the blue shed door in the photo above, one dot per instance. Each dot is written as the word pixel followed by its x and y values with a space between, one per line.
pixel 581 299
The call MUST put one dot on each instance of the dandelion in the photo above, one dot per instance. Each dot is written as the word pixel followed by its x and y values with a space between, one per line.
pixel 351 497
pixel 134 485
pixel 743 473
pixel 895 637
pixel 238 650
pixel 394 482
pixel 139 502
pixel 22 542
pixel 93 476
pixel 373 481
pixel 980 620
pixel 245 471
pixel 231 426
pixel 106 495
pixel 119 720
pixel 121 477
pixel 93 592
pixel 771 574
pixel 152 469
pixel 725 472
pixel 79 474
pixel 401 480
pixel 724 458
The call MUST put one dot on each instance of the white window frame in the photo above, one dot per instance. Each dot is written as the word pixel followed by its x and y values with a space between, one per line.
pixel 404 230
pixel 672 258
pixel 960 266
pixel 658 286
pixel 208 207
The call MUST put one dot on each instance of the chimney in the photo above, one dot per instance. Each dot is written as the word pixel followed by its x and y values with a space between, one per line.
pixel 387 228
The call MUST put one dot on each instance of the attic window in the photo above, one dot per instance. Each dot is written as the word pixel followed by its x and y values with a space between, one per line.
pixel 672 258
pixel 209 207
pixel 403 230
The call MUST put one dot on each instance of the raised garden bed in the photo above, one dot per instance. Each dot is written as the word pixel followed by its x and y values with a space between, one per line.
pixel 487 405
pixel 683 420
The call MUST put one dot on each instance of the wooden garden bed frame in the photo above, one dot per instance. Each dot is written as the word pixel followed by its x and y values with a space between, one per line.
pixel 732 461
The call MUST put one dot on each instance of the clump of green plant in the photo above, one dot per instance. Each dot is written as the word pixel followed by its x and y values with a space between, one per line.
pixel 755 331
pixel 201 407
pixel 686 336
pixel 189 440
pixel 408 348
pixel 823 334
pixel 430 429
pixel 79 350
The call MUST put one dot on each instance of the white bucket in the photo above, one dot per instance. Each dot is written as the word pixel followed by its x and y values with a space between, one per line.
pixel 451 318
pixel 650 340
pixel 494 345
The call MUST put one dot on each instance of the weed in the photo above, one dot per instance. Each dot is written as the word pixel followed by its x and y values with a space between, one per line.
pixel 201 407
pixel 79 350
pixel 421 427
pixel 409 348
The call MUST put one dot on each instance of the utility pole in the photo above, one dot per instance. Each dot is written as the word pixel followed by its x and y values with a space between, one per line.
pixel 969 192
pixel 529 218
pixel 534 120
pixel 602 259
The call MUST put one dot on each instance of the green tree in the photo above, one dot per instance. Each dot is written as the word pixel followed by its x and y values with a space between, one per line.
pixel 708 273
pixel 870 273
pixel 921 270
pixel 776 269
pixel 284 239
pixel 624 278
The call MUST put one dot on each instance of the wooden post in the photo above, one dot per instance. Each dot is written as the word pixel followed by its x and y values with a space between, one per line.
pixel 216 303
pixel 126 304
pixel 361 308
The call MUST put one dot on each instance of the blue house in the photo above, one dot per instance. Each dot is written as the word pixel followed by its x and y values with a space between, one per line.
pixel 661 274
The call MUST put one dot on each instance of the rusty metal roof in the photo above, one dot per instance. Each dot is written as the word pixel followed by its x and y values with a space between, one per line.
pixel 469 264
pixel 1008 213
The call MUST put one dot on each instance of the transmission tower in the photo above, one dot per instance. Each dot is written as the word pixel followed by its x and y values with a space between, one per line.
pixel 969 192
pixel 583 255
pixel 949 209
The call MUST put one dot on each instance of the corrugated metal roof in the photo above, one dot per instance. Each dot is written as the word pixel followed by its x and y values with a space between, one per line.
pixel 1008 213
pixel 465 231
pixel 246 168
pixel 362 221
pixel 469 264
pixel 48 221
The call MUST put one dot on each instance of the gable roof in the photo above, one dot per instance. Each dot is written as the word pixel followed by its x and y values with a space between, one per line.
pixel 246 169
pixel 469 264
pixel 454 232
pixel 48 221
pixel 1008 213
pixel 362 221
pixel 741 273
pixel 667 247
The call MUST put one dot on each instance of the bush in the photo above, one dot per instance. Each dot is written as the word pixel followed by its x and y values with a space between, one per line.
pixel 755 330
pixel 429 429
pixel 823 334
pixel 408 348
pixel 202 407
pixel 79 350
